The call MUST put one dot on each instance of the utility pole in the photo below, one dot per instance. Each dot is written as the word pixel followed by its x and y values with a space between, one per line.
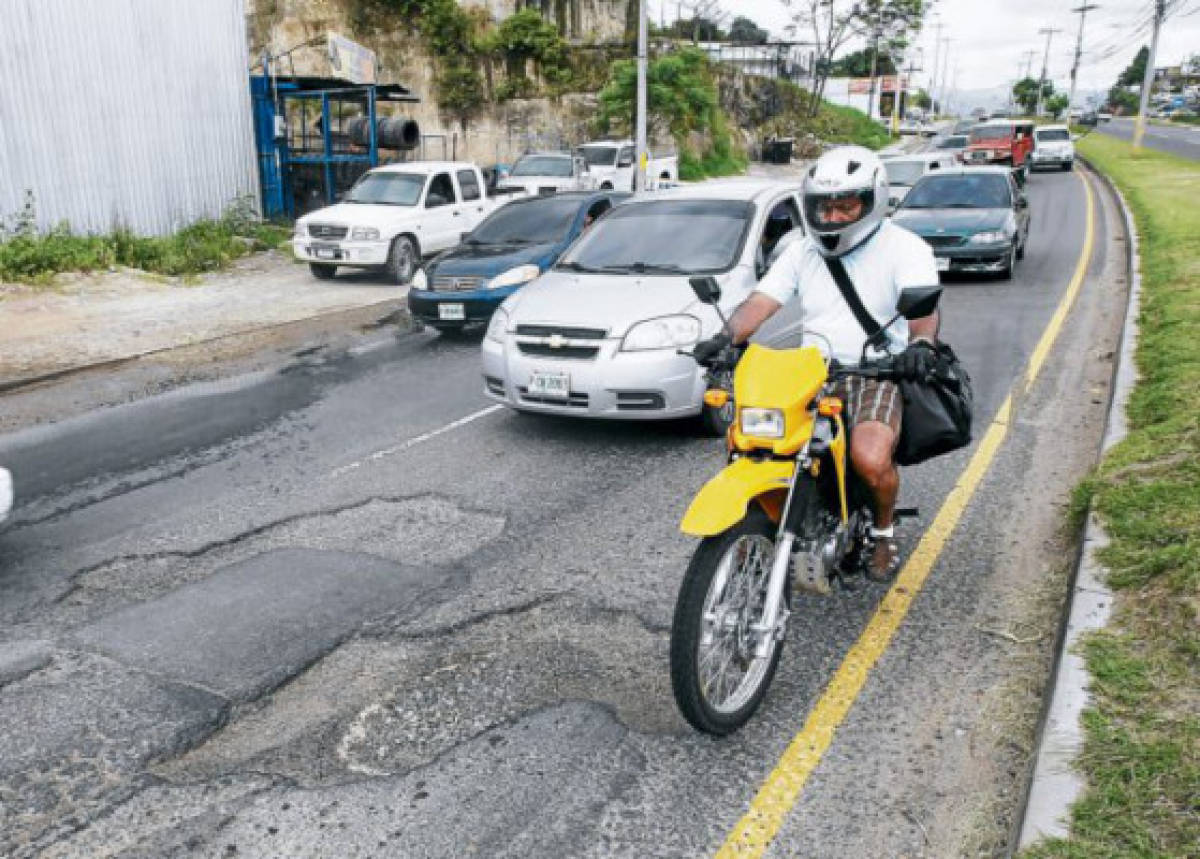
pixel 941 103
pixel 639 172
pixel 1081 11
pixel 937 44
pixel 1049 33
pixel 1139 128
pixel 1029 55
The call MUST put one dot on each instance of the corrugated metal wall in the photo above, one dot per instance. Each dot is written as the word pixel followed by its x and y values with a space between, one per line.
pixel 124 112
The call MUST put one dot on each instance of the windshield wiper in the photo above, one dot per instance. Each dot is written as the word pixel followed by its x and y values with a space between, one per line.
pixel 646 268
pixel 576 266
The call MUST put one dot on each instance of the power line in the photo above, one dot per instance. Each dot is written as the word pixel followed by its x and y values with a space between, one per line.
pixel 1049 33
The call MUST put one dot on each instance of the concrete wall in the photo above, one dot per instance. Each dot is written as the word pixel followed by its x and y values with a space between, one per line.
pixel 130 113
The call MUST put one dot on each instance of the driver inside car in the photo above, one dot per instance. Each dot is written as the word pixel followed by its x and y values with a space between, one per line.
pixel 845 198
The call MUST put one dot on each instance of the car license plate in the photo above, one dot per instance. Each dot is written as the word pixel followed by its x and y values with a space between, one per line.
pixel 453 312
pixel 943 263
pixel 546 383
pixel 327 252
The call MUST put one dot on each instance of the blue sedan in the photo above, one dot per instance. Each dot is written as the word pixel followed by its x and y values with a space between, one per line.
pixel 512 247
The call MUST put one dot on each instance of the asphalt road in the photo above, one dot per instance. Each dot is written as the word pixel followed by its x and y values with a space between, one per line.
pixel 1182 140
pixel 347 608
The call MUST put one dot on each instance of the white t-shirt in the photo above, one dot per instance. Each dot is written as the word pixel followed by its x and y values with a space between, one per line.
pixel 879 268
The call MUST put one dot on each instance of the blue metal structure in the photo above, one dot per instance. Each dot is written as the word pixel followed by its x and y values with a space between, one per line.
pixel 299 168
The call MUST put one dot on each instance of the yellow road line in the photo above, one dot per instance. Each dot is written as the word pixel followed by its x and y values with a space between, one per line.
pixel 778 794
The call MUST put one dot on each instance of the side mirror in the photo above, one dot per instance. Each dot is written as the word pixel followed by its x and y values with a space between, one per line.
pixel 464 236
pixel 917 302
pixel 435 200
pixel 706 289
pixel 1022 202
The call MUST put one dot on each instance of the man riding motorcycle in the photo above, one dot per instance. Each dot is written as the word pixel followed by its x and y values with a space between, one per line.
pixel 845 198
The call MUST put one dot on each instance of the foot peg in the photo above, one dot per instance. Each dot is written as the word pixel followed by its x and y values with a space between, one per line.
pixel 907 513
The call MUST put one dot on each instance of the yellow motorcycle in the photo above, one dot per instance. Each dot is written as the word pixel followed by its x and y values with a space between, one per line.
pixel 786 515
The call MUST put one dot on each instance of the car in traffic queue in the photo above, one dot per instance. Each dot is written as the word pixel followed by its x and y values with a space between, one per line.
pixel 599 335
pixel 1000 141
pixel 1052 147
pixel 394 216
pixel 976 219
pixel 6 493
pixel 964 126
pixel 904 171
pixel 548 173
pixel 513 246
pixel 956 144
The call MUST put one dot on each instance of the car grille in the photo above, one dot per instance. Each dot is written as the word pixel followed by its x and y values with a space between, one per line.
pixel 640 401
pixel 979 155
pixel 562 331
pixel 547 190
pixel 944 241
pixel 545 350
pixel 455 283
pixel 577 401
pixel 327 231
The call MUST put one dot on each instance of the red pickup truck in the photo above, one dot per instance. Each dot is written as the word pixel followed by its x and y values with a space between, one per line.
pixel 1000 141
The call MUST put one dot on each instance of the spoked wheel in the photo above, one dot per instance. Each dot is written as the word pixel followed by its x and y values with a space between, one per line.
pixel 717 678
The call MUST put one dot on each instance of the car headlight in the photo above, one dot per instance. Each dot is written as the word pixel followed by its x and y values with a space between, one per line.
pixel 364 234
pixel 514 276
pixel 989 238
pixel 301 229
pixel 666 332
pixel 497 327
pixel 764 423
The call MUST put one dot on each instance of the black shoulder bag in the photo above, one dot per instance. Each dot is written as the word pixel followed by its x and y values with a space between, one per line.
pixel 937 409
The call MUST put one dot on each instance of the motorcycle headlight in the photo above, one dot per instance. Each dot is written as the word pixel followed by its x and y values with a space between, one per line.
pixel 497 327
pixel 666 332
pixel 764 423
pixel 514 276
pixel 301 229
pixel 991 237
pixel 364 234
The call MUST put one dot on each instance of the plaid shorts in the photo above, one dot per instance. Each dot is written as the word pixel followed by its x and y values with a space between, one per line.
pixel 871 400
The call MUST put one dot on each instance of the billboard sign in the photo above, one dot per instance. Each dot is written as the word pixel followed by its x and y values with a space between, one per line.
pixel 351 60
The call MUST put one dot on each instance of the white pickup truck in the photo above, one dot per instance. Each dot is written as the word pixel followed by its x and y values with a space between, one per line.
pixel 394 216
pixel 610 164
pixel 549 173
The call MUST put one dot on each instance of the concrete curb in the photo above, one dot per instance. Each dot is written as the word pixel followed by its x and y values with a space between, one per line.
pixel 1055 784
pixel 10 386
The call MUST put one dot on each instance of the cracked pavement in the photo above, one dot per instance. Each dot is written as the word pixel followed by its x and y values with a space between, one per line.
pixel 223 638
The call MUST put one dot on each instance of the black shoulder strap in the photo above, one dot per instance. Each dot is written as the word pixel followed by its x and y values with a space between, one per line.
pixel 846 287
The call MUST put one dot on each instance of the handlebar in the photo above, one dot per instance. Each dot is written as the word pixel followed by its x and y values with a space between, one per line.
pixel 881 368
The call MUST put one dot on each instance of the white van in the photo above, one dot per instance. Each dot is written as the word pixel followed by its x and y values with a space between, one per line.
pixel 904 171
pixel 1052 147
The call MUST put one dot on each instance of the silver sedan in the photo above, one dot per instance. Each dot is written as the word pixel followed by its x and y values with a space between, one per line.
pixel 599 335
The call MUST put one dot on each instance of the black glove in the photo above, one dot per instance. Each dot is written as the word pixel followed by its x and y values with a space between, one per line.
pixel 917 361
pixel 706 350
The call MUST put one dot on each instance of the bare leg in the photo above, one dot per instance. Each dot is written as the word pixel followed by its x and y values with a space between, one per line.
pixel 871 448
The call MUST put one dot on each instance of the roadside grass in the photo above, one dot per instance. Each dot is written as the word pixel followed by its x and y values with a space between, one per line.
pixel 28 256
pixel 1141 757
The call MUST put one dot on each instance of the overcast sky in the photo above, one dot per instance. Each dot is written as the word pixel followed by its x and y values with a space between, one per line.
pixel 991 36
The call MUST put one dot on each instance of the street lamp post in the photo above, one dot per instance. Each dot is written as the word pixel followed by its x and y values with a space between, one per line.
pixel 639 172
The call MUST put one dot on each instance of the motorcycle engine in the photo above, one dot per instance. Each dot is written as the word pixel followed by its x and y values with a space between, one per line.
pixel 815 562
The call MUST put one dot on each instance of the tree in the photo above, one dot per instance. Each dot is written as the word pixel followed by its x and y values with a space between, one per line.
pixel 744 30
pixel 1057 103
pixel 1135 73
pixel 858 65
pixel 1025 93
pixel 681 88
pixel 1121 100
pixel 922 100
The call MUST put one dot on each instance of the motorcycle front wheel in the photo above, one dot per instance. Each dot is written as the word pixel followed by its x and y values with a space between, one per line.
pixel 717 679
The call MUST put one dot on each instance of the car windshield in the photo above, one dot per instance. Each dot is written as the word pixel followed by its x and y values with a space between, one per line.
pixel 964 191
pixel 963 126
pixel 389 189
pixel 958 141
pixel 599 156
pixel 543 165
pixel 904 172
pixel 995 132
pixel 664 237
pixel 536 222
pixel 1050 134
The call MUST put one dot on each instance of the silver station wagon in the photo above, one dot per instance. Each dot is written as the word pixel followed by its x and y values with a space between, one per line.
pixel 599 335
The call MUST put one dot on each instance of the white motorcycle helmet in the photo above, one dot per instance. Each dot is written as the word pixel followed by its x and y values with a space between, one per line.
pixel 844 173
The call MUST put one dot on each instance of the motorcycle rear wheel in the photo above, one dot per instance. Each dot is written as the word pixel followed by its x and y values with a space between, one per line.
pixel 718 681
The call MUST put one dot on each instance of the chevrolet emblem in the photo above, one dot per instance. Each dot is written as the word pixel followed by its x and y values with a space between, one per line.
pixel 556 341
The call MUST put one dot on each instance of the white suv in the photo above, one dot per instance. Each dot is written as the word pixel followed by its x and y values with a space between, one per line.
pixel 1052 147
pixel 6 493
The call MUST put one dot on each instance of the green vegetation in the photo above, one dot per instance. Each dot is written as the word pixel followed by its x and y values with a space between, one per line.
pixel 779 108
pixel 683 103
pixel 32 257
pixel 1141 757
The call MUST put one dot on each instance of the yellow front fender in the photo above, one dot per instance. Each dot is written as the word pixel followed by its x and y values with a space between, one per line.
pixel 723 500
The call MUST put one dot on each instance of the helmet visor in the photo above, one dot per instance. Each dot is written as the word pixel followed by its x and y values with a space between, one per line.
pixel 834 212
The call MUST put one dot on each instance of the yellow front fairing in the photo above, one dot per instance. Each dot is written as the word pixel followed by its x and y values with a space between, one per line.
pixel 784 379
pixel 722 502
